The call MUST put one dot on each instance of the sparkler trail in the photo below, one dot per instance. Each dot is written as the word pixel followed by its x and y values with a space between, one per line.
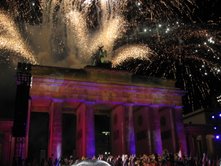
pixel 158 11
pixel 190 54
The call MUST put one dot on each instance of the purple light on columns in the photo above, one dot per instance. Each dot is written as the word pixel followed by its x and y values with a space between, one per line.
pixel 131 135
pixel 155 125
pixel 90 140
pixel 58 151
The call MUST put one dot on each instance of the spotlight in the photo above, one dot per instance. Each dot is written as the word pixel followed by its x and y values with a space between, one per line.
pixel 213 117
pixel 220 115
pixel 214 127
pixel 217 137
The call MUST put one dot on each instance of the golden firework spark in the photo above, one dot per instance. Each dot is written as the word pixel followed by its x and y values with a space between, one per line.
pixel 132 51
pixel 109 31
pixel 10 39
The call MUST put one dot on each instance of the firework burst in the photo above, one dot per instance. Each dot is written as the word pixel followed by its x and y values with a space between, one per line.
pixel 141 36
pixel 11 40
pixel 190 54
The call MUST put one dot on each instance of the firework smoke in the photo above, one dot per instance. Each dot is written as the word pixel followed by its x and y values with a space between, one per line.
pixel 150 33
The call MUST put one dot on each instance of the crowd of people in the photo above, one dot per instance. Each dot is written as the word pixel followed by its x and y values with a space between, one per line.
pixel 126 160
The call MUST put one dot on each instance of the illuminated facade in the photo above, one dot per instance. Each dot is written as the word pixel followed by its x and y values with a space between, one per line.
pixel 145 114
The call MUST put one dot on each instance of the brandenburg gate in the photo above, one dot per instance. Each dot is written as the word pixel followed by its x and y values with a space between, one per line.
pixel 145 113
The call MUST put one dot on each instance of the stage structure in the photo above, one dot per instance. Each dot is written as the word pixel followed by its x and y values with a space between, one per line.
pixel 145 113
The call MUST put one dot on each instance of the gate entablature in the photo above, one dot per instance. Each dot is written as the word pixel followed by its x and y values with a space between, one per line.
pixel 103 85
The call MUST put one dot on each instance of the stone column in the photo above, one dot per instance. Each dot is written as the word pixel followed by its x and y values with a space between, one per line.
pixel 85 143
pixel 180 133
pixel 155 130
pixel 55 129
pixel 194 143
pixel 122 126
pixel 190 143
pixel 117 130
pixel 131 147
pixel 148 130
pixel 172 122
pixel 143 130
pixel 210 144
pixel 204 146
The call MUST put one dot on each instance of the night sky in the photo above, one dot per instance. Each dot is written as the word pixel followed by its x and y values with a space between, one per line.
pixel 205 11
pixel 208 10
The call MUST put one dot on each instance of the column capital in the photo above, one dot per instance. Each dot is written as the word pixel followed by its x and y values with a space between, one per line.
pixel 57 100
pixel 128 104
pixel 89 102
pixel 154 106
pixel 55 127
pixel 210 136
pixel 178 107
pixel 85 145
